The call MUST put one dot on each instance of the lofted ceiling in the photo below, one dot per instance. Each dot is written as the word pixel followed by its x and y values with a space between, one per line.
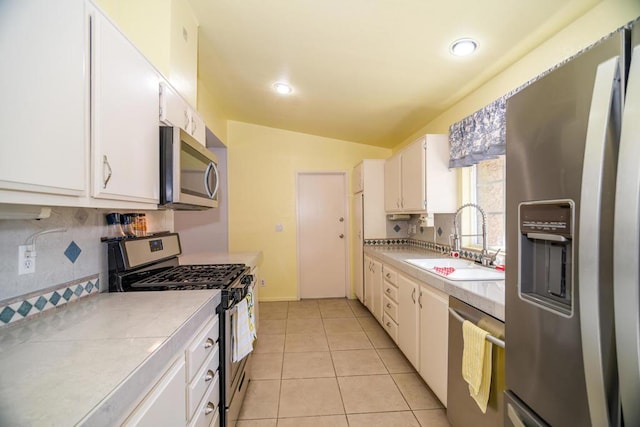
pixel 368 71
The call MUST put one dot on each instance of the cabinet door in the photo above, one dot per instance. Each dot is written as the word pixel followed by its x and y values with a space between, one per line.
pixel 392 184
pixel 358 248
pixel 126 111
pixel 434 341
pixel 165 405
pixel 198 129
pixel 174 111
pixel 408 315
pixel 376 289
pixel 44 85
pixel 413 177
pixel 368 283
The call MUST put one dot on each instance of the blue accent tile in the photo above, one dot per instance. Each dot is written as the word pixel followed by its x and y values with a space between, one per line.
pixel 439 231
pixel 7 314
pixel 55 298
pixel 72 252
pixel 67 294
pixel 397 228
pixel 24 308
pixel 40 303
pixel 89 287
pixel 97 284
pixel 79 290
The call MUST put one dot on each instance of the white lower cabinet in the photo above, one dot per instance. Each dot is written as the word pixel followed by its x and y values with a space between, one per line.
pixel 373 287
pixel 434 339
pixel 416 317
pixel 408 318
pixel 165 404
pixel 188 394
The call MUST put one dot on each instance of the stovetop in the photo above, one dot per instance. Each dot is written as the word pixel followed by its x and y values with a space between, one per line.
pixel 188 277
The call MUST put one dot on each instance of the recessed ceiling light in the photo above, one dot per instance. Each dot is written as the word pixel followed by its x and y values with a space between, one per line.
pixel 282 88
pixel 463 47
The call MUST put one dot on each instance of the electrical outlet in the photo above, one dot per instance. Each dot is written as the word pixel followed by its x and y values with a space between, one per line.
pixel 26 263
pixel 262 283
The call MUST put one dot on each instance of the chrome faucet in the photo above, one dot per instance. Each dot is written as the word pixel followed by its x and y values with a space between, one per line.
pixel 486 258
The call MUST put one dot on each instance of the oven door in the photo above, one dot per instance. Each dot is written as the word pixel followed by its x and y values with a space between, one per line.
pixel 188 172
pixel 236 372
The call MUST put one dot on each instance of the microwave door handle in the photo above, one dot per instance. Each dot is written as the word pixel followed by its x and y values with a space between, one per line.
pixel 215 170
pixel 207 174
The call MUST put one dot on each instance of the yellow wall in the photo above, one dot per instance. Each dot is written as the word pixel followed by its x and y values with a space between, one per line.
pixel 211 111
pixel 183 54
pixel 606 17
pixel 145 23
pixel 263 163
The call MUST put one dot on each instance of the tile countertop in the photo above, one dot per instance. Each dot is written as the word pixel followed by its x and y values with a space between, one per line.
pixel 89 363
pixel 251 259
pixel 487 296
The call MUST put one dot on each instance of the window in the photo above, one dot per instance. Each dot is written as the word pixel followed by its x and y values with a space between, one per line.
pixel 484 184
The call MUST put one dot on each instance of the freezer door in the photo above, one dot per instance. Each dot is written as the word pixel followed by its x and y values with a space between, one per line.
pixel 627 247
pixel 546 149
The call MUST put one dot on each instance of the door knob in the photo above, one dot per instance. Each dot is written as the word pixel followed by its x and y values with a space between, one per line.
pixel 341 236
pixel 341 219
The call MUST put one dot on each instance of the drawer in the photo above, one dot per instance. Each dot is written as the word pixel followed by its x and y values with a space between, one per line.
pixel 208 410
pixel 390 308
pixel 390 275
pixel 390 326
pixel 390 291
pixel 202 380
pixel 201 347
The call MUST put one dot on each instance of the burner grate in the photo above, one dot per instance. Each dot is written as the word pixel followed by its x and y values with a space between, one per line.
pixel 187 277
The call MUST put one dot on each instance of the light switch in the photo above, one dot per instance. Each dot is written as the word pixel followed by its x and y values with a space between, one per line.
pixel 279 228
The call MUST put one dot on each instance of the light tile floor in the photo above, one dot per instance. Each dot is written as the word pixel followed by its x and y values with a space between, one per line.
pixel 329 363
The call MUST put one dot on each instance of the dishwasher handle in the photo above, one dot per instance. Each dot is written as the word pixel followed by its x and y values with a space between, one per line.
pixel 490 338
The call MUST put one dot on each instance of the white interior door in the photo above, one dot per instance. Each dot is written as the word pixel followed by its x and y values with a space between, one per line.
pixel 322 235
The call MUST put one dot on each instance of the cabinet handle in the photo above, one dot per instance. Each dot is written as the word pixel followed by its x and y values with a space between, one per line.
pixel 388 275
pixel 420 299
pixel 388 305
pixel 107 168
pixel 209 408
pixel 194 126
pixel 388 324
pixel 413 295
pixel 208 343
pixel 341 236
pixel 402 202
pixel 388 290
pixel 186 120
pixel 209 376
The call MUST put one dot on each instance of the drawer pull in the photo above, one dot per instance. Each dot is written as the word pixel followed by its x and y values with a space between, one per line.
pixel 388 305
pixel 208 343
pixel 388 324
pixel 209 376
pixel 388 275
pixel 388 290
pixel 209 408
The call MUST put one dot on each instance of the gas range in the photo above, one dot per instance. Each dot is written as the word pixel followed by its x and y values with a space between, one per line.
pixel 151 264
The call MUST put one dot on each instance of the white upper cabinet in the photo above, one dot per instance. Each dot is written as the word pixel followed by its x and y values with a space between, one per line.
pixel 125 118
pixel 418 179
pixel 44 86
pixel 175 111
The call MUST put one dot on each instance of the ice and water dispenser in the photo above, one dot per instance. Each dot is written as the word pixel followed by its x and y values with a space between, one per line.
pixel 546 254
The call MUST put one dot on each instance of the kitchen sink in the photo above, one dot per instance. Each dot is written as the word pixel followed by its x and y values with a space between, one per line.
pixel 457 269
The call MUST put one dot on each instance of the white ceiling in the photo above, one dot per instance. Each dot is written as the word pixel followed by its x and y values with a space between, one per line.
pixel 369 71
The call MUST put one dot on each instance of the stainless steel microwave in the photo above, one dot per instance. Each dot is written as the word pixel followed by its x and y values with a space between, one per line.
pixel 189 177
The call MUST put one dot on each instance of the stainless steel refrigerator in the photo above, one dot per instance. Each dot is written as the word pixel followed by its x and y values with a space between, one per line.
pixel 573 242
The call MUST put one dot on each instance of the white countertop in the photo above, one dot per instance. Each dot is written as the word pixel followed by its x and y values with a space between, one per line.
pixel 487 296
pixel 251 259
pixel 88 362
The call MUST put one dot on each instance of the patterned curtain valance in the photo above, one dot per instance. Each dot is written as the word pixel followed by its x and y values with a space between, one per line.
pixel 480 136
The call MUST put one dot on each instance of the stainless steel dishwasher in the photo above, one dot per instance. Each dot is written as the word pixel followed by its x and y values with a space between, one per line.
pixel 462 410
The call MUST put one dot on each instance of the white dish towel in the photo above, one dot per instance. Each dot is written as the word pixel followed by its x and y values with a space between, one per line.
pixel 242 335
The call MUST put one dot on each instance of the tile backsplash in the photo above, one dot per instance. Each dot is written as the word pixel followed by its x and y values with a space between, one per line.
pixel 62 256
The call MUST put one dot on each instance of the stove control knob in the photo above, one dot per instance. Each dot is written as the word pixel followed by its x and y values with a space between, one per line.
pixel 246 280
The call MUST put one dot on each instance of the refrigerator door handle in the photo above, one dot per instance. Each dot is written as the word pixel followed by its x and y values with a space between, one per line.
pixel 626 251
pixel 607 82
